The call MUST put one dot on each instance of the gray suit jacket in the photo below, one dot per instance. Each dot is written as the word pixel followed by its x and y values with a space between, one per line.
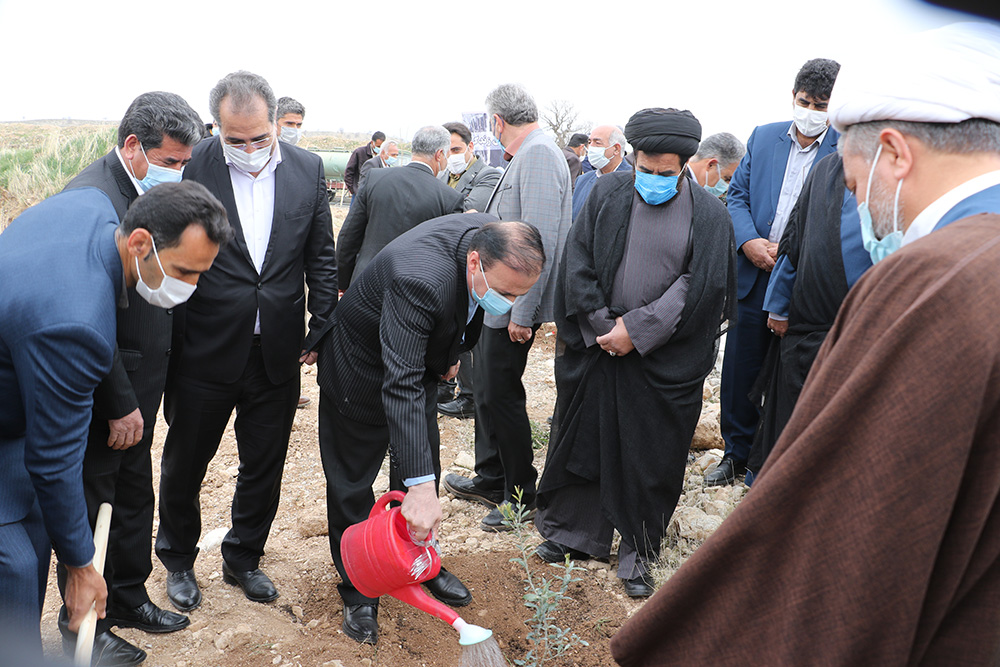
pixel 536 189
pixel 476 184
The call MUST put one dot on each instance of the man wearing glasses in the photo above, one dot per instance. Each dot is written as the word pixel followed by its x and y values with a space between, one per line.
pixel 241 339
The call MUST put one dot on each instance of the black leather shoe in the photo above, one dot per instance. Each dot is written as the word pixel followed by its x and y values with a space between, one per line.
pixel 724 473
pixel 109 650
pixel 639 587
pixel 494 521
pixel 462 407
pixel 447 588
pixel 361 623
pixel 183 591
pixel 255 584
pixel 553 552
pixel 466 489
pixel 148 618
pixel 446 392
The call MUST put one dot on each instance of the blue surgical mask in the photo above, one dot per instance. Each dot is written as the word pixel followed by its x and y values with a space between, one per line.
pixel 496 135
pixel 655 189
pixel 155 174
pixel 720 187
pixel 879 249
pixel 392 161
pixel 491 302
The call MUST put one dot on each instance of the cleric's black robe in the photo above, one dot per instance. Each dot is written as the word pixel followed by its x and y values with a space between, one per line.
pixel 623 420
pixel 812 242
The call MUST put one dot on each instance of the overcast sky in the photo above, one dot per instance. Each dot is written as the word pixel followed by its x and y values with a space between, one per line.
pixel 364 65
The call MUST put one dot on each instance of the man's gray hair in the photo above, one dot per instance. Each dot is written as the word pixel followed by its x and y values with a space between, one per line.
pixel 617 136
pixel 290 105
pixel 152 116
pixel 724 147
pixel 429 140
pixel 975 135
pixel 243 89
pixel 513 104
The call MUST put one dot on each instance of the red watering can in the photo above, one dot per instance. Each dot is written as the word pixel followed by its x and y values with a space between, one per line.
pixel 381 559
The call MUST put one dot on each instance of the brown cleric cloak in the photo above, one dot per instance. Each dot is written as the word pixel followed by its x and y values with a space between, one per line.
pixel 872 534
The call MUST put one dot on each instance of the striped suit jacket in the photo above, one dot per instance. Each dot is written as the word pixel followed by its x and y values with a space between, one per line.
pixel 400 326
pixel 536 189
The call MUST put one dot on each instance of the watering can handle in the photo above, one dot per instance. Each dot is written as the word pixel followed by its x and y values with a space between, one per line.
pixel 382 503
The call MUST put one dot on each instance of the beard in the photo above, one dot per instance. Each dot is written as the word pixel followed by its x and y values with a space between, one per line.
pixel 881 205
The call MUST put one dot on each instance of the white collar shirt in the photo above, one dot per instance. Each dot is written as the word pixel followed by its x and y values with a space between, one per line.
pixel 928 219
pixel 255 207
pixel 800 161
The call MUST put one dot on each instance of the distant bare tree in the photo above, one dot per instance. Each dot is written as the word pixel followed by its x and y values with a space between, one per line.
pixel 561 118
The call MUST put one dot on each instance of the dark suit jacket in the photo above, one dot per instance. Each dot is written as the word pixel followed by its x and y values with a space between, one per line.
pixel 139 370
pixel 399 327
pixel 574 163
pixel 218 330
pixel 393 201
pixel 374 163
pixel 752 197
pixel 352 172
pixel 62 278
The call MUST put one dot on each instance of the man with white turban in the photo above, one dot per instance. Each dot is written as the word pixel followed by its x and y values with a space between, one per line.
pixel 891 554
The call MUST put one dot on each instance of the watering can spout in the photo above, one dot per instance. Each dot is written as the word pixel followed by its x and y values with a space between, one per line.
pixel 416 597
pixel 469 634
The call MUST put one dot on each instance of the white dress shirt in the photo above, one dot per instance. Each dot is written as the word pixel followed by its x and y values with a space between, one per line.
pixel 255 206
pixel 924 223
pixel 800 161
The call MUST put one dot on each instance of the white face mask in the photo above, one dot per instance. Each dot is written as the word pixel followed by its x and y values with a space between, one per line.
pixel 810 122
pixel 291 135
pixel 456 163
pixel 171 292
pixel 248 162
pixel 598 159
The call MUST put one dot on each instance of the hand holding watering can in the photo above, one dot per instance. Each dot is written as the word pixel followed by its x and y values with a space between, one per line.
pixel 422 511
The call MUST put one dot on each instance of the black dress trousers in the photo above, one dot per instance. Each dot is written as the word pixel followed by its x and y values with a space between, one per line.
pixel 352 454
pixel 504 458
pixel 198 412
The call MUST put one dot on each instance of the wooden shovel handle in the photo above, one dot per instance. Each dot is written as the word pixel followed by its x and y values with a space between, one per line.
pixel 85 635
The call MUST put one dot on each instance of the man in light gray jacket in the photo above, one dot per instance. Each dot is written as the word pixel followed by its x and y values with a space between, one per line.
pixel 535 189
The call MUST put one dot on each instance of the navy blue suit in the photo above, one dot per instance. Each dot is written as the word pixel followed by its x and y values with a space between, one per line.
pixel 752 200
pixel 62 278
pixel 585 183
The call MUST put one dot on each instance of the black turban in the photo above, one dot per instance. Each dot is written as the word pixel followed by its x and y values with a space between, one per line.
pixel 664 131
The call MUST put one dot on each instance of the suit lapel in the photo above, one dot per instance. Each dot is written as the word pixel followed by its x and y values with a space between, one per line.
pixel 281 185
pixel 125 185
pixel 465 327
pixel 778 165
pixel 224 187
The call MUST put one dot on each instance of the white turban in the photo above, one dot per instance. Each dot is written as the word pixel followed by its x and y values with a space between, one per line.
pixel 945 75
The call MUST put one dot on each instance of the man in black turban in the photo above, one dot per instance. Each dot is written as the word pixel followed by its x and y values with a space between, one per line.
pixel 647 278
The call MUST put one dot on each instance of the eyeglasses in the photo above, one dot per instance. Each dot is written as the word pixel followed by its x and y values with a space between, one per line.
pixel 257 145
